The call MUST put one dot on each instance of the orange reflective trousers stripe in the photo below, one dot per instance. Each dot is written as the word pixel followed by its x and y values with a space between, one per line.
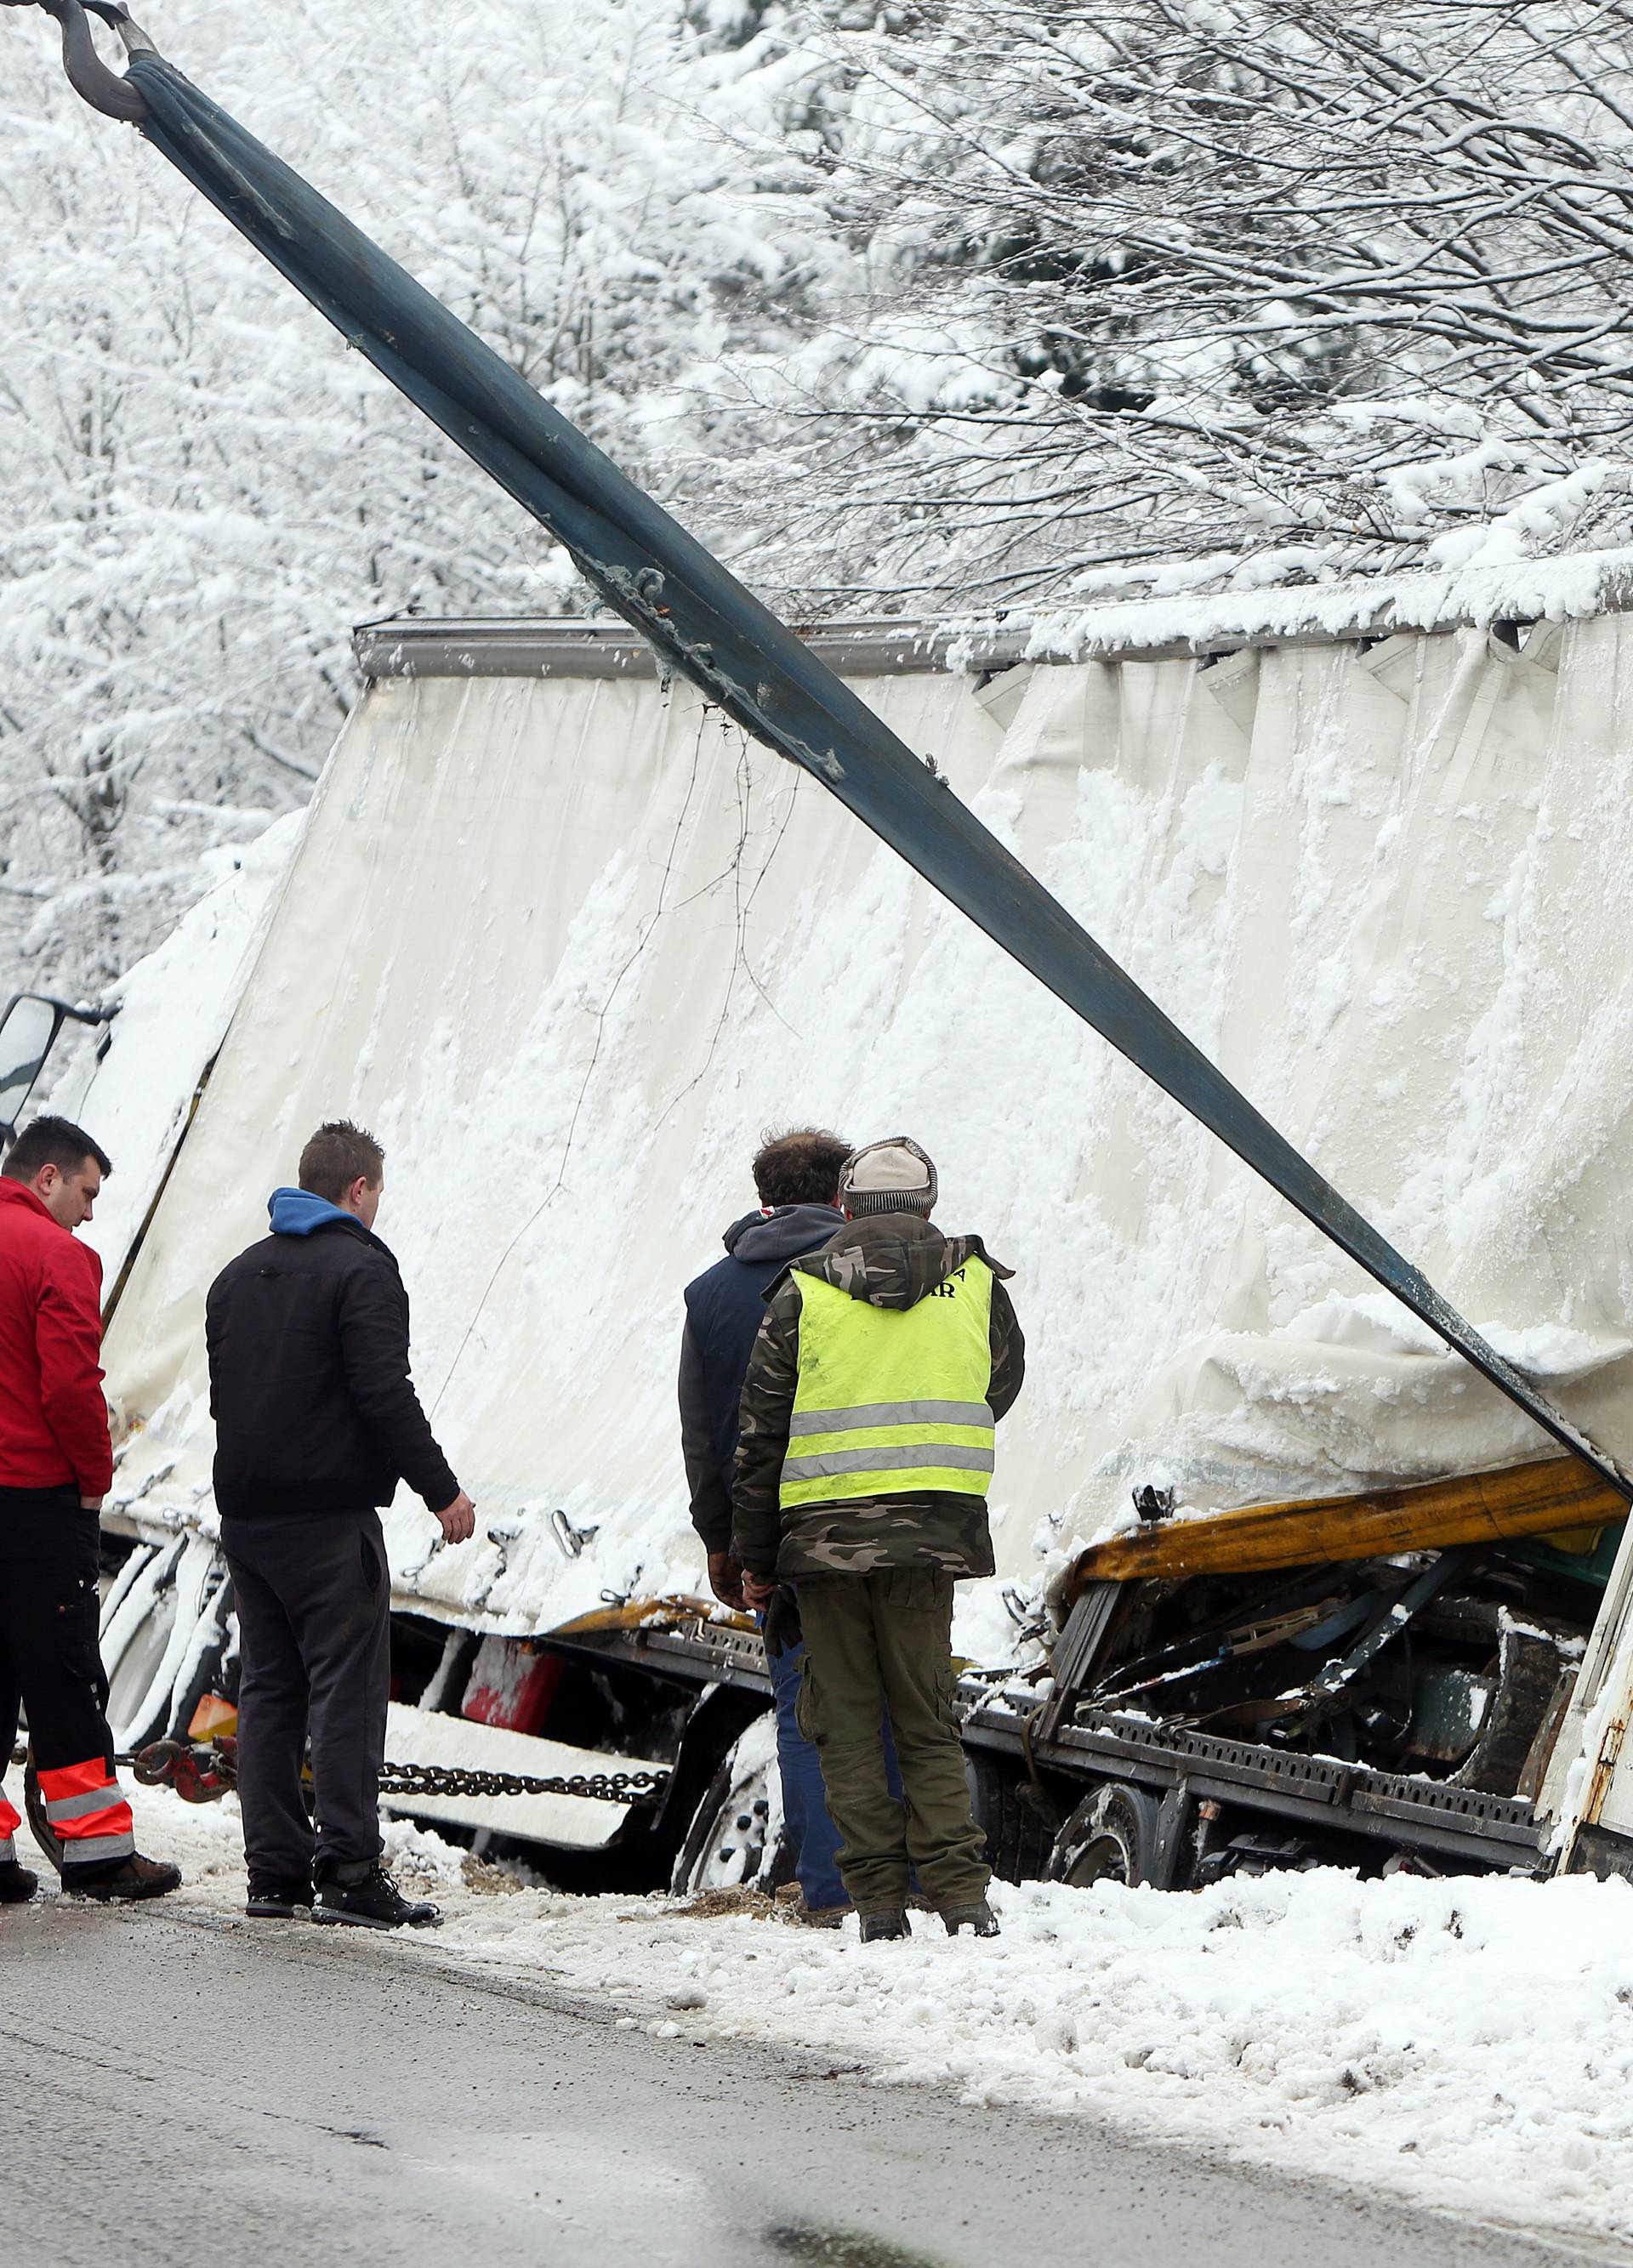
pixel 92 1818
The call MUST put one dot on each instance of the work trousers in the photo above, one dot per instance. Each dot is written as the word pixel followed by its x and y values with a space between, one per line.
pixel 877 1641
pixel 812 1831
pixel 314 1648
pixel 50 1665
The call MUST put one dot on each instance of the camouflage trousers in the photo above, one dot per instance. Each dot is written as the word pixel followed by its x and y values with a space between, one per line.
pixel 886 1637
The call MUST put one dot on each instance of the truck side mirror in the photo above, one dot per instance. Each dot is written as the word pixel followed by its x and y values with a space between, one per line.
pixel 28 1031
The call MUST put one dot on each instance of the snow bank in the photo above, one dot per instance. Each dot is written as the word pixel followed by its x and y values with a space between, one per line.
pixel 1178 609
pixel 1469 2045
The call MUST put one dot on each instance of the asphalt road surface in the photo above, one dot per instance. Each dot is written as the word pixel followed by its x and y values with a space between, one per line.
pixel 180 2089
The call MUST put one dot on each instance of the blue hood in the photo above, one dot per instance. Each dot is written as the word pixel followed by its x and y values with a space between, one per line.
pixel 297 1213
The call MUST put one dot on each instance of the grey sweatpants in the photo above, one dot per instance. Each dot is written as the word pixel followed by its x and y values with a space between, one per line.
pixel 315 1643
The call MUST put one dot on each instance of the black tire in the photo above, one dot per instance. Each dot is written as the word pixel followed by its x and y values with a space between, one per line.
pixel 1019 1821
pixel 1112 1836
pixel 736 1838
pixel 137 1704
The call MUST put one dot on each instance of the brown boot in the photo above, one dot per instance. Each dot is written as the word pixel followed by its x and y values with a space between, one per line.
pixel 133 1877
pixel 18 1885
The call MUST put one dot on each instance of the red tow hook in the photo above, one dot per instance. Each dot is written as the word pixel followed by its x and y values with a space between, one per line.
pixel 198 1775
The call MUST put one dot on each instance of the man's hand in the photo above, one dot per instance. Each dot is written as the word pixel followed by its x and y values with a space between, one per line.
pixel 90 1503
pixel 758 1589
pixel 458 1520
pixel 726 1579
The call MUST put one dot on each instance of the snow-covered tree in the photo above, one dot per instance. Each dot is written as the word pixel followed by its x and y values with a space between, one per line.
pixel 204 489
pixel 1261 287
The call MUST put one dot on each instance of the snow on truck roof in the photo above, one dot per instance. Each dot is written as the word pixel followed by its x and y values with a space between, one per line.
pixel 1158 627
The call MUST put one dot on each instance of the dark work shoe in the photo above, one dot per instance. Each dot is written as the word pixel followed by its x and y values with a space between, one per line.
pixel 979 1918
pixel 373 1901
pixel 884 1921
pixel 16 1884
pixel 272 1900
pixel 132 1879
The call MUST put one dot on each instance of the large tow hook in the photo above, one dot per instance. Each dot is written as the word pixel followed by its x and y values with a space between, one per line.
pixel 197 1774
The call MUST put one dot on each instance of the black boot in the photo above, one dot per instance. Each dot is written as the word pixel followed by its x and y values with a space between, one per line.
pixel 884 1921
pixel 368 1898
pixel 16 1884
pixel 132 1878
pixel 273 1899
pixel 979 1918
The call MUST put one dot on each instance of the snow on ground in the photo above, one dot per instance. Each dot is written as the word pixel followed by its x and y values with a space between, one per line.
pixel 1468 2043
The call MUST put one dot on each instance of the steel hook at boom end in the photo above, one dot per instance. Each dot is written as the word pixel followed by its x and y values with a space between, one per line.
pixel 88 75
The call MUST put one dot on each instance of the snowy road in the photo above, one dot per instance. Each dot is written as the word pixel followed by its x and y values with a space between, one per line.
pixel 178 2087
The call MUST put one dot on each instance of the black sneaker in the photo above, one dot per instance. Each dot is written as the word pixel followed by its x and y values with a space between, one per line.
pixel 371 1900
pixel 132 1878
pixel 884 1921
pixel 16 1884
pixel 271 1899
pixel 978 1918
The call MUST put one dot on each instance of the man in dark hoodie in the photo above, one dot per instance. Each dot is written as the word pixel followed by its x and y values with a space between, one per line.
pixel 316 1422
pixel 797 1176
pixel 864 1456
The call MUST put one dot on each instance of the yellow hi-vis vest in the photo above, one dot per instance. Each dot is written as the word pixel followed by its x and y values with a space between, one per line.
pixel 891 1401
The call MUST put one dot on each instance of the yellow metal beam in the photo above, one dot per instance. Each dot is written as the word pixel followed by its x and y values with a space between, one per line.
pixel 1536 1499
pixel 652 1614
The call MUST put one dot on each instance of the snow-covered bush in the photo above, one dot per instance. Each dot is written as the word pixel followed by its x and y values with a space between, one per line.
pixel 1253 288
pixel 204 490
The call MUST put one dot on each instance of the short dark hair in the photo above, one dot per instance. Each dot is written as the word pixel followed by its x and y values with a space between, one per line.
pixel 801 1166
pixel 339 1154
pixel 52 1142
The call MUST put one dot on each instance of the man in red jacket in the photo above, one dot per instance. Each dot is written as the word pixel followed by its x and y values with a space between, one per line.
pixel 56 1467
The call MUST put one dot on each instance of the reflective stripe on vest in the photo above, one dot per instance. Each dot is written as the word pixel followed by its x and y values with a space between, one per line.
pixel 891 1401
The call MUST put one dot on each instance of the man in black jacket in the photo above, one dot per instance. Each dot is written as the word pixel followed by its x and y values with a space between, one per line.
pixel 316 1422
pixel 796 1175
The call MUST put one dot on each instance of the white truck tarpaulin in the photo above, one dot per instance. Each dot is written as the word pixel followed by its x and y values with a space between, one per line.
pixel 568 946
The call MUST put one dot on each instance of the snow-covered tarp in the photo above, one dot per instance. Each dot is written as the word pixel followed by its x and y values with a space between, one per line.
pixel 569 946
pixel 172 1012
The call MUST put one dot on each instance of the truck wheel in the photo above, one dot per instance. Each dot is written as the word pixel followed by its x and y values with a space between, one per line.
pixel 1110 1837
pixel 138 1621
pixel 1018 1820
pixel 736 1840
pixel 164 1634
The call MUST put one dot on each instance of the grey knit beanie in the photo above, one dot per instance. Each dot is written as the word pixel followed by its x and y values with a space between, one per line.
pixel 891 1177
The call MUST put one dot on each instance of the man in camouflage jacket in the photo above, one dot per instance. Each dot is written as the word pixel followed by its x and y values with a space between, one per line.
pixel 874 1571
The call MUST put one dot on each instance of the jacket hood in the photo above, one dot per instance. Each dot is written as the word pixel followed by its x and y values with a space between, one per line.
pixel 297 1213
pixel 893 1259
pixel 762 1239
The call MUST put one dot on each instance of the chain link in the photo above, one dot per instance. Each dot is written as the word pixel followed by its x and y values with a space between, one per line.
pixel 200 1773
pixel 454 1779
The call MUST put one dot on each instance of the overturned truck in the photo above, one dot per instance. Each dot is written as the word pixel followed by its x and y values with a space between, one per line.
pixel 567 943
pixel 1282 1580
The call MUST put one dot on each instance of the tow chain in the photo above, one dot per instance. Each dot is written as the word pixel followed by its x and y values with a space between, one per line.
pixel 201 1774
pixel 454 1779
